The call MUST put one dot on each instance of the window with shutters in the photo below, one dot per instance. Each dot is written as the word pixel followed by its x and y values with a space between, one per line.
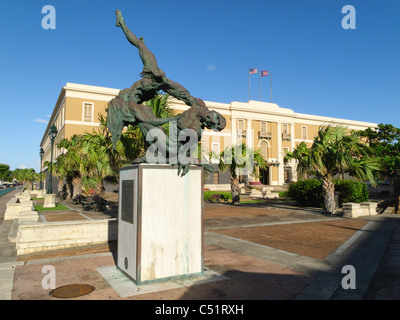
pixel 304 133
pixel 88 112
pixel 241 131
pixel 263 127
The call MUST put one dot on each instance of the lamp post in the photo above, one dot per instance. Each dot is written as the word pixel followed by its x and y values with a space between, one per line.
pixel 52 135
pixel 41 153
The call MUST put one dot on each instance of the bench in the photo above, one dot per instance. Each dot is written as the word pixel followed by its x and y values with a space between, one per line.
pixel 218 198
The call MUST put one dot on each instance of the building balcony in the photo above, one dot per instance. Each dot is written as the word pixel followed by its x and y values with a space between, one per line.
pixel 273 163
pixel 286 136
pixel 264 135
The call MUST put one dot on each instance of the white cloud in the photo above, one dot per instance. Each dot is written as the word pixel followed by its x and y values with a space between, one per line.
pixel 21 166
pixel 42 121
pixel 211 67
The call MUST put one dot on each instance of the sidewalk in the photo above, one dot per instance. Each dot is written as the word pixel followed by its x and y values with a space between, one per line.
pixel 263 251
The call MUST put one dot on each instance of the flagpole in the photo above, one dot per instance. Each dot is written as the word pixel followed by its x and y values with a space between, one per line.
pixel 259 75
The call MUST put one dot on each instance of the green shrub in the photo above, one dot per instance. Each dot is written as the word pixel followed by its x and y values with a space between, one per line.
pixel 283 194
pixel 208 194
pixel 351 191
pixel 307 192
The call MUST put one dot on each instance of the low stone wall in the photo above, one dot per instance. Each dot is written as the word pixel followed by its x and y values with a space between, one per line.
pixel 355 210
pixel 264 193
pixel 47 236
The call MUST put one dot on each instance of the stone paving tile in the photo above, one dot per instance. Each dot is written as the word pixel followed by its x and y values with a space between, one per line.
pixel 253 278
pixel 312 239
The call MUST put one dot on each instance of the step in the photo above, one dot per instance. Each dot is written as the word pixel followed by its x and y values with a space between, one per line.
pixel 12 235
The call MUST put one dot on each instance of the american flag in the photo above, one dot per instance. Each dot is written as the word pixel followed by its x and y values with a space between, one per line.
pixel 252 71
pixel 264 73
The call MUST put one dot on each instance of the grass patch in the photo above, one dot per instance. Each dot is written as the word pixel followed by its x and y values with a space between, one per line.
pixel 252 201
pixel 39 207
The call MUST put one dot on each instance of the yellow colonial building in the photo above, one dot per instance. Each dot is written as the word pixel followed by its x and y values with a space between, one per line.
pixel 264 126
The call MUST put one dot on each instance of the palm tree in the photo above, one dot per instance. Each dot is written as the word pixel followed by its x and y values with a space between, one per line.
pixel 71 159
pixel 239 159
pixel 301 154
pixel 24 175
pixel 336 150
pixel 159 105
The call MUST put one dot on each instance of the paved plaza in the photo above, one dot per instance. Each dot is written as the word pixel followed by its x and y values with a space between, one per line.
pixel 255 251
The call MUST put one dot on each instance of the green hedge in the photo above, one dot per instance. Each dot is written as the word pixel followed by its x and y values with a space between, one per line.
pixel 309 192
pixel 351 191
pixel 208 194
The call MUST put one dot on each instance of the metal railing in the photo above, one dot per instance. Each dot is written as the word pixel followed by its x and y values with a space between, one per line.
pixel 5 191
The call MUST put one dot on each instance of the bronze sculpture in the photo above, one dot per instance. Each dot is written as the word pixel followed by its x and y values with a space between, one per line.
pixel 127 107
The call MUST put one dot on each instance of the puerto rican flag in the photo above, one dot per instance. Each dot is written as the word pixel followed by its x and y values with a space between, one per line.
pixel 252 71
pixel 264 73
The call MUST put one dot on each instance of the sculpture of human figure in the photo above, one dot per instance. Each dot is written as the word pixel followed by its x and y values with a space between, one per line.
pixel 126 108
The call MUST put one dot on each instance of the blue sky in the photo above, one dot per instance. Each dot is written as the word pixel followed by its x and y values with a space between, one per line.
pixel 317 67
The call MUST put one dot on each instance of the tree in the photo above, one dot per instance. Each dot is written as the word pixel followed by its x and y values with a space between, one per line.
pixel 71 161
pixel 336 150
pixel 23 175
pixel 239 159
pixel 5 172
pixel 301 154
pixel 385 143
pixel 102 161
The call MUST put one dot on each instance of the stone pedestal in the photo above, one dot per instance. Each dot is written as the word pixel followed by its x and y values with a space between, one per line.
pixel 160 223
pixel 351 210
pixel 369 208
pixel 354 210
pixel 40 194
pixel 26 205
pixel 49 201
pixel 23 196
pixel 13 207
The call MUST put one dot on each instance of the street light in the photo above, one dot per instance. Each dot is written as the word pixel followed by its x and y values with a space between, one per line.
pixel 41 153
pixel 52 135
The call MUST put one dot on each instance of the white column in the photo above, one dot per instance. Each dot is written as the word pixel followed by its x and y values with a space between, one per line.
pixel 292 162
pixel 280 157
pixel 249 134
pixel 234 131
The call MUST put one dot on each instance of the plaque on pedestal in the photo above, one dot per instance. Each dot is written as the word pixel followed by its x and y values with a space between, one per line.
pixel 160 222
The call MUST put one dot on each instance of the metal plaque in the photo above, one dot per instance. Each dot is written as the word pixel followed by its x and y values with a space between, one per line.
pixel 127 200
